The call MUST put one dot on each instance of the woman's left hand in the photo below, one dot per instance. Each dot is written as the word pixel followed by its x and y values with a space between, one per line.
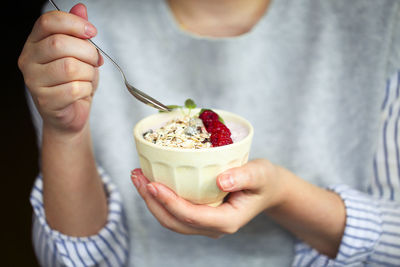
pixel 254 187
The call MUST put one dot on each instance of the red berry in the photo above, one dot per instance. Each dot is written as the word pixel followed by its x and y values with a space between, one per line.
pixel 220 139
pixel 208 116
pixel 220 134
pixel 218 127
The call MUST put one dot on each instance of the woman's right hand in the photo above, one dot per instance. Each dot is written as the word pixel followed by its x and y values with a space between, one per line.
pixel 60 68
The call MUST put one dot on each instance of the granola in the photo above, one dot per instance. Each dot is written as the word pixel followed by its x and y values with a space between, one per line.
pixel 187 132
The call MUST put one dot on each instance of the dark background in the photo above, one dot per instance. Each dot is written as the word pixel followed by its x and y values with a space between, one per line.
pixel 19 150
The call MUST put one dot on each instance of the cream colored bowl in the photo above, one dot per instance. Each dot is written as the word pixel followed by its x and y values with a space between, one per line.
pixel 191 173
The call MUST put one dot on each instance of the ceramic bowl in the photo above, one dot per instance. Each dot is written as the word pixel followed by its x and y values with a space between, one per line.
pixel 192 173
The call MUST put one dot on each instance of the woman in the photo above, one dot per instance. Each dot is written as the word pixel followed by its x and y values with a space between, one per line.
pixel 317 80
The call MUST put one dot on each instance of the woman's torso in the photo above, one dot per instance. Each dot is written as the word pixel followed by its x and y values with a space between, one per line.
pixel 309 77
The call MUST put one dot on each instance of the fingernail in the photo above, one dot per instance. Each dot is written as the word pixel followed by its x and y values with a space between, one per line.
pixel 226 181
pixel 90 30
pixel 100 61
pixel 135 172
pixel 151 188
pixel 135 181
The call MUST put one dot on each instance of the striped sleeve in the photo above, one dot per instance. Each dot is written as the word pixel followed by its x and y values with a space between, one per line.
pixel 372 232
pixel 108 248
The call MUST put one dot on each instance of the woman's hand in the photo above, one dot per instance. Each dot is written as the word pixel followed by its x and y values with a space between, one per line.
pixel 254 187
pixel 60 68
pixel 311 213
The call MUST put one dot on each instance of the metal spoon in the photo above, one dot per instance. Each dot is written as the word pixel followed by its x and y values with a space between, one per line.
pixel 139 95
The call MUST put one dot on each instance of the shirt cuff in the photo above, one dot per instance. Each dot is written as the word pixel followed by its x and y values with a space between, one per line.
pixel 109 245
pixel 361 234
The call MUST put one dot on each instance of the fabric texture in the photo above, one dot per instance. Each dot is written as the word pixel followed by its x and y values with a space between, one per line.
pixel 312 78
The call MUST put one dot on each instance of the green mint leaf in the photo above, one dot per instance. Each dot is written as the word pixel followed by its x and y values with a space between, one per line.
pixel 189 103
pixel 173 106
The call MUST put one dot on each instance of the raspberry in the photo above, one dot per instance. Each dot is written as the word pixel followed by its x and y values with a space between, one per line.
pixel 218 127
pixel 220 134
pixel 220 139
pixel 208 116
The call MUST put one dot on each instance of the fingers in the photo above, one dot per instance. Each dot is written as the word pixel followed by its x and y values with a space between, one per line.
pixel 196 216
pixel 57 56
pixel 60 96
pixel 60 71
pixel 251 176
pixel 63 23
pixel 59 46
pixel 165 218
pixel 60 68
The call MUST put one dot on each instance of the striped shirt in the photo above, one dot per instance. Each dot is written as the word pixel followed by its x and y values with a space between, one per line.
pixel 108 248
pixel 372 233
pixel 371 236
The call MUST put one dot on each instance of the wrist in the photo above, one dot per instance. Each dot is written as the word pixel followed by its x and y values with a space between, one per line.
pixel 281 189
pixel 274 189
pixel 57 136
pixel 73 193
pixel 311 213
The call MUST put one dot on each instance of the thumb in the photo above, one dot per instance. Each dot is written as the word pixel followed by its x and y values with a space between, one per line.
pixel 79 10
pixel 250 176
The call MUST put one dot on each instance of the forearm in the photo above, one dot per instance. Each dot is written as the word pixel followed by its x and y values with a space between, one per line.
pixel 73 195
pixel 53 248
pixel 313 214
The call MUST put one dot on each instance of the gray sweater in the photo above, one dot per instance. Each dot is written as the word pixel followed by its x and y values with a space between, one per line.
pixel 310 77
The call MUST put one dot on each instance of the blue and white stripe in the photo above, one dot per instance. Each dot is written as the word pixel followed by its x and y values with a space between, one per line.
pixel 372 232
pixel 108 248
pixel 386 181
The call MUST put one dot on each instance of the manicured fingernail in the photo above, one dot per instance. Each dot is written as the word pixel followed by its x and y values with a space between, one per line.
pixel 226 181
pixel 135 181
pixel 151 188
pixel 90 30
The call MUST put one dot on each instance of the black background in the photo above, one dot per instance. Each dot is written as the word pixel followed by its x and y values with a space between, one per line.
pixel 19 150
